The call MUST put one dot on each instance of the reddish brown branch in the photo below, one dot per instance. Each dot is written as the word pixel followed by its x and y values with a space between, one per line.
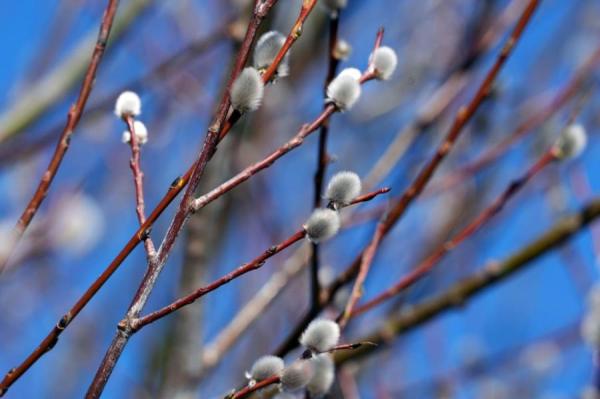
pixel 432 260
pixel 62 146
pixel 247 390
pixel 254 264
pixel 365 264
pixel 462 118
pixel 138 179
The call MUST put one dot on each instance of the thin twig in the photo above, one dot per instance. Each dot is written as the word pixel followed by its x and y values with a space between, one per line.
pixel 458 294
pixel 322 155
pixel 138 178
pixel 62 146
pixel 463 116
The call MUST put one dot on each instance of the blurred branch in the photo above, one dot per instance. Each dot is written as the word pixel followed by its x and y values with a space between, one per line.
pixel 437 255
pixel 73 117
pixel 19 148
pixel 526 126
pixel 457 295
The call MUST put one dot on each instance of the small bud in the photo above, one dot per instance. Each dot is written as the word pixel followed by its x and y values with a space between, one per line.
pixel 571 142
pixel 343 188
pixel 344 90
pixel 321 335
pixel 297 375
pixel 384 61
pixel 333 6
pixel 267 48
pixel 128 103
pixel 342 50
pixel 323 376
pixel 141 133
pixel 322 225
pixel 247 90
pixel 265 367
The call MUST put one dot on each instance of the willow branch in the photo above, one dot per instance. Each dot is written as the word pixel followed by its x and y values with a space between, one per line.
pixel 254 264
pixel 73 118
pixel 463 116
pixel 463 291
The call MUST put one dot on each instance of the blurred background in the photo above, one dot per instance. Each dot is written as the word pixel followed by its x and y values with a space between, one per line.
pixel 518 339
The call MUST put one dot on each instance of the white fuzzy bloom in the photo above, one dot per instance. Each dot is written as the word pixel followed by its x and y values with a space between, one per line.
pixel 342 50
pixel 322 225
pixel 571 142
pixel 128 103
pixel 321 335
pixel 297 375
pixel 344 90
pixel 323 376
pixel 334 6
pixel 265 367
pixel 343 188
pixel 384 61
pixel 267 48
pixel 247 90
pixel 141 133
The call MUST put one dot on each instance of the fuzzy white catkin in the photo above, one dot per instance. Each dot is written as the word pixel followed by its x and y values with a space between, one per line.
pixel 571 142
pixel 321 335
pixel 323 375
pixel 266 49
pixel 322 225
pixel 344 90
pixel 384 61
pixel 141 133
pixel 247 90
pixel 297 375
pixel 265 367
pixel 128 103
pixel 343 188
